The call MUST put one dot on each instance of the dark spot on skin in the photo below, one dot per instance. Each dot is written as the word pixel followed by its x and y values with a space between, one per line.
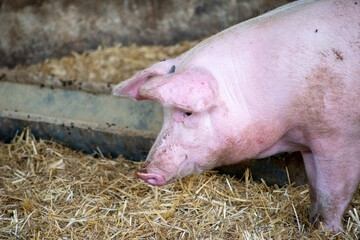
pixel 324 87
pixel 338 54
pixel 28 116
pixel 108 85
pixel 42 85
pixel 172 69
pixel 355 3
pixel 316 30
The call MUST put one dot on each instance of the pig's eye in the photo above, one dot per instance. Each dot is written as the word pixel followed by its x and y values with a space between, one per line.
pixel 188 113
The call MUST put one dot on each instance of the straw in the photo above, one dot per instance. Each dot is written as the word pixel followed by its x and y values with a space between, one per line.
pixel 48 191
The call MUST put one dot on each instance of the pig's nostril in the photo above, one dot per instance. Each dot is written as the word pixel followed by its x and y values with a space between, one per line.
pixel 152 181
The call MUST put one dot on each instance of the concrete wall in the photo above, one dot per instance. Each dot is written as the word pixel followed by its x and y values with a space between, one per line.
pixel 32 30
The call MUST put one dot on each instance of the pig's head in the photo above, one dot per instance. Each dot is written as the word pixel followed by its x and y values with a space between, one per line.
pixel 188 142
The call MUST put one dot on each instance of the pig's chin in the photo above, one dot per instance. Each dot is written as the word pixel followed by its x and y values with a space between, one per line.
pixel 152 178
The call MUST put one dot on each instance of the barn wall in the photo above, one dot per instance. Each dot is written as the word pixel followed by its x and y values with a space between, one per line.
pixel 33 30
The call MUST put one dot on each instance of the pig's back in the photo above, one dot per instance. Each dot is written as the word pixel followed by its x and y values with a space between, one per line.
pixel 308 55
pixel 304 57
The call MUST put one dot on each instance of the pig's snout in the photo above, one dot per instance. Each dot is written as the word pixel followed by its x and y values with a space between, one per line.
pixel 152 178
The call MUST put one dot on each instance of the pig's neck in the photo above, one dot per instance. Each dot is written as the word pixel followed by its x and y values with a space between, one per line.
pixel 256 83
pixel 259 104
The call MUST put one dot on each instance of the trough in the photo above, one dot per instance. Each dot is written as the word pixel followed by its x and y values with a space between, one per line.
pixel 87 119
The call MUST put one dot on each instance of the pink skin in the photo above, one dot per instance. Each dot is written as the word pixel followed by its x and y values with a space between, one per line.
pixel 285 81
pixel 152 178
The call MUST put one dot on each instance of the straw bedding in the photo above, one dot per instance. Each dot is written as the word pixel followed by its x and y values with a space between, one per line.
pixel 108 64
pixel 48 191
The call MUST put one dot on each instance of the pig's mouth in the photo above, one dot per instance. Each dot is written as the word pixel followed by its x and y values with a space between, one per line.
pixel 152 178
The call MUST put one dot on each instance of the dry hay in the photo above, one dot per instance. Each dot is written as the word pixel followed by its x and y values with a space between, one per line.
pixel 48 191
pixel 108 64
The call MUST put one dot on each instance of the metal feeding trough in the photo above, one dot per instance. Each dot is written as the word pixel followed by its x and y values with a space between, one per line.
pixel 84 115
pixel 87 119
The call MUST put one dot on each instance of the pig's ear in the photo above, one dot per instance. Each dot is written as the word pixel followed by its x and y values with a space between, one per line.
pixel 192 90
pixel 130 87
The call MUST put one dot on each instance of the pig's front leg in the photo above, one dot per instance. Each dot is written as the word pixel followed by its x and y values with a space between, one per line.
pixel 332 183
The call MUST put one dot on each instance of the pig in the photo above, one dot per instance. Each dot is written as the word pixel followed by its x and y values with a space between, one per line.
pixel 288 80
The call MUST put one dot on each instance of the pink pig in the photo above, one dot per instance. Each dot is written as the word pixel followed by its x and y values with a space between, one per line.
pixel 288 80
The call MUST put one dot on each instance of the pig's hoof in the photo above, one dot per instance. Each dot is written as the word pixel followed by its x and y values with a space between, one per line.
pixel 152 178
pixel 314 219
